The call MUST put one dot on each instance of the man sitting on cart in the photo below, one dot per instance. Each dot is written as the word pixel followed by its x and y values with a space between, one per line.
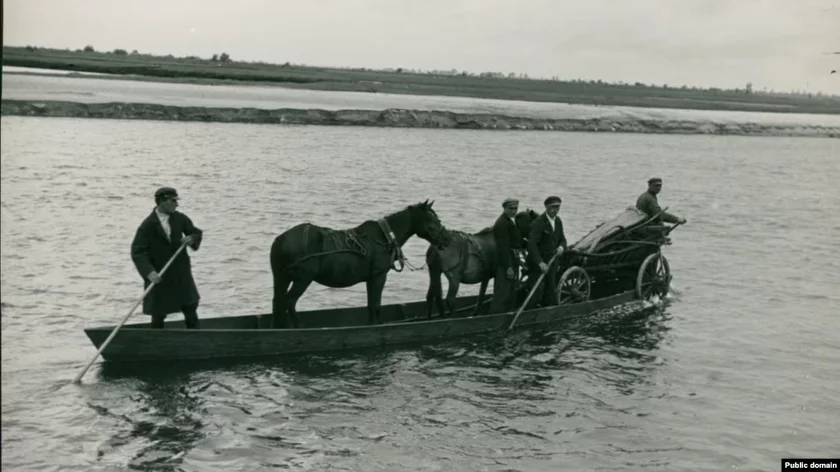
pixel 546 238
pixel 648 203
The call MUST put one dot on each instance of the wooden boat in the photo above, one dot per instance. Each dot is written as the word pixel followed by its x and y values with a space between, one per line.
pixel 326 330
pixel 623 255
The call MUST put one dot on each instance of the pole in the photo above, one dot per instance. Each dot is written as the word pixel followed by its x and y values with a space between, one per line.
pixel 114 332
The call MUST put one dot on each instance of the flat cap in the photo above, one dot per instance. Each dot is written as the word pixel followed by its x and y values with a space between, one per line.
pixel 510 202
pixel 166 192
pixel 654 180
pixel 552 200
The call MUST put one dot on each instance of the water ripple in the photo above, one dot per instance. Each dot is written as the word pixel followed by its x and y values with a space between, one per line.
pixel 735 371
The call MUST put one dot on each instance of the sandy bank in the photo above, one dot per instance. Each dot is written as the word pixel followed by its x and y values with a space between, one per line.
pixel 401 118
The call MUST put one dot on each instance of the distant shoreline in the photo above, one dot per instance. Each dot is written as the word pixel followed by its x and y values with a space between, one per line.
pixel 143 67
pixel 398 118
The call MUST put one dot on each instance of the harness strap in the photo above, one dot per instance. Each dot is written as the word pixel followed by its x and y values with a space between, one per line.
pixel 396 250
pixel 351 243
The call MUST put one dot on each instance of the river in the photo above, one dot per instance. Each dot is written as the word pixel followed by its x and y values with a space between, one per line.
pixel 739 370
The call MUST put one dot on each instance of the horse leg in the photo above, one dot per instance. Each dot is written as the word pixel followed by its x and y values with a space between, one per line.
pixel 375 286
pixel 278 305
pixel 434 296
pixel 298 287
pixel 481 292
pixel 454 284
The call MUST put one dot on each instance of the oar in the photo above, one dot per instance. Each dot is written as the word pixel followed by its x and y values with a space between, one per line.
pixel 533 290
pixel 114 332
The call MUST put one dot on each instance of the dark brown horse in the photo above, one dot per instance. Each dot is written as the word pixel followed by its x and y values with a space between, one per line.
pixel 343 258
pixel 469 259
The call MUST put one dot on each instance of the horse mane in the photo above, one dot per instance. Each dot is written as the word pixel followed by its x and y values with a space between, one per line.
pixel 420 205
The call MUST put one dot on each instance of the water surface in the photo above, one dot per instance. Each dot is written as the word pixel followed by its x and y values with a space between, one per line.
pixel 734 374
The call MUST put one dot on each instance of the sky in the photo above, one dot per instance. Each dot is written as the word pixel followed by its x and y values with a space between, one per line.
pixel 782 45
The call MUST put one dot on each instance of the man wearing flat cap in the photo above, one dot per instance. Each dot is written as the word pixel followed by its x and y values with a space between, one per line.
pixel 648 203
pixel 157 239
pixel 546 239
pixel 508 242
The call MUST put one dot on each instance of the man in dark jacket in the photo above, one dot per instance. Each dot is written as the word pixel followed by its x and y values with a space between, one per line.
pixel 545 239
pixel 156 241
pixel 508 243
pixel 648 203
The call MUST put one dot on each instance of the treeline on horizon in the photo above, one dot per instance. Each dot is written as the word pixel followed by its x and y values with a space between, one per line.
pixel 224 59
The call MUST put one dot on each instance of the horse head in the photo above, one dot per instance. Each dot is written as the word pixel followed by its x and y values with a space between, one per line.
pixel 426 224
pixel 523 221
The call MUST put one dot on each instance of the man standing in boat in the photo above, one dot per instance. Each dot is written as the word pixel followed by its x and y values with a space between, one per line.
pixel 157 239
pixel 546 239
pixel 648 203
pixel 508 243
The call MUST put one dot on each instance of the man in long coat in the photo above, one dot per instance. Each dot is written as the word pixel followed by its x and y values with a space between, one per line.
pixel 157 239
pixel 545 239
pixel 508 243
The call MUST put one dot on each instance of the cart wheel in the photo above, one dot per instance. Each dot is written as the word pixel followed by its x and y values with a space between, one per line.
pixel 654 277
pixel 574 286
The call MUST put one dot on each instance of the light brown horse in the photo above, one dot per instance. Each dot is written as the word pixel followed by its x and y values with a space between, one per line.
pixel 468 259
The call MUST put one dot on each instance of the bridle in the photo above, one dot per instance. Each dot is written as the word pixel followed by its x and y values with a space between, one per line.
pixel 397 255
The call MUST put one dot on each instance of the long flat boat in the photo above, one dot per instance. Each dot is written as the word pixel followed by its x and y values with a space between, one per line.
pixel 325 330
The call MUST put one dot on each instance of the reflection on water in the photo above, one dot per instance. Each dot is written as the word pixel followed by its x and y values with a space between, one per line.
pixel 497 376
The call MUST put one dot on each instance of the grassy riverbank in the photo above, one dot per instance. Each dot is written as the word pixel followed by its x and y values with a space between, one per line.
pixel 207 71
pixel 397 118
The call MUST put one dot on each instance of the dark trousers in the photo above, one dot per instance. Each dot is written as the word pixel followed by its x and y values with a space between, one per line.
pixel 546 293
pixel 190 317
pixel 504 290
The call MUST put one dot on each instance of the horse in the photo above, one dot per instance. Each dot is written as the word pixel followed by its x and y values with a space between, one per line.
pixel 308 253
pixel 468 259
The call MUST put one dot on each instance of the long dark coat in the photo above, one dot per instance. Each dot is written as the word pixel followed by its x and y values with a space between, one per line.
pixel 542 242
pixel 508 239
pixel 150 250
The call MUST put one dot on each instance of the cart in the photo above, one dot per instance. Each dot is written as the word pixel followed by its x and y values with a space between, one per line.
pixel 622 254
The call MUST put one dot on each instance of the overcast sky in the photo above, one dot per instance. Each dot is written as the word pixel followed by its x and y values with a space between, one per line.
pixel 779 44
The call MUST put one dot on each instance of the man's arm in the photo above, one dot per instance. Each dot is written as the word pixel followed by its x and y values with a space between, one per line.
pixel 140 251
pixel 648 205
pixel 654 207
pixel 191 230
pixel 562 242
pixel 669 218
pixel 534 236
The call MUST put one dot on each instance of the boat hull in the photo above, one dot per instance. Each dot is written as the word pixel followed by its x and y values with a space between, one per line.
pixel 327 330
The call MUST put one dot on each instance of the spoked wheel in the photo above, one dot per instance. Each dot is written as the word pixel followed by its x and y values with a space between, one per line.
pixel 654 277
pixel 574 286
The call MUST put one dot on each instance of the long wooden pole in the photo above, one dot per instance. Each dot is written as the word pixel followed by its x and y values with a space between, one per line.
pixel 114 332
pixel 533 290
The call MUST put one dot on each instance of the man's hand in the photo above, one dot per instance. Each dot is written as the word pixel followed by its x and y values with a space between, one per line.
pixel 510 273
pixel 559 251
pixel 154 277
pixel 682 220
pixel 543 267
pixel 187 239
